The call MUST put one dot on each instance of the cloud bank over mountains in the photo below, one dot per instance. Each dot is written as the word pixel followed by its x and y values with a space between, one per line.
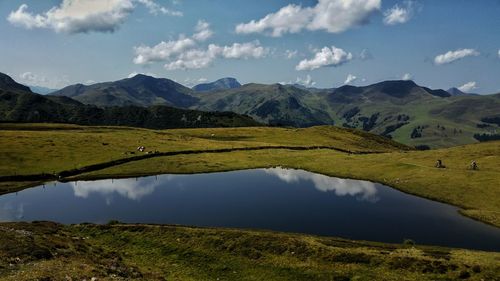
pixel 84 16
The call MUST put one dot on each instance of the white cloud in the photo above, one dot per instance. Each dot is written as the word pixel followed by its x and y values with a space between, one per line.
pixel 199 58
pixel 194 58
pixel 398 14
pixel 325 57
pixel 190 82
pixel 365 55
pixel 203 31
pixel 499 53
pixel 307 82
pixel 289 54
pixel 334 16
pixel 33 79
pixel 156 9
pixel 467 87
pixel 82 16
pixel 452 56
pixel 350 78
pixel 244 51
pixel 162 51
pixel 407 76
pixel 185 52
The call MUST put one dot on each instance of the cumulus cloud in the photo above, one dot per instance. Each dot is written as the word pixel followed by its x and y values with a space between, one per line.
pixel 203 31
pixel 307 82
pixel 350 78
pixel 333 16
pixel 185 52
pixel 407 76
pixel 452 56
pixel 398 14
pixel 244 50
pixel 156 9
pixel 163 50
pixel 202 58
pixel 82 16
pixel 34 79
pixel 467 87
pixel 325 57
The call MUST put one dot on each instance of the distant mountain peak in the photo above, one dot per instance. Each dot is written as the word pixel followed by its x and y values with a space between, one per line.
pixel 221 84
pixel 141 76
pixel 141 90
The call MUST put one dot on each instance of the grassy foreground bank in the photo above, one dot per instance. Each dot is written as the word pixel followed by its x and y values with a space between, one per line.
pixel 49 251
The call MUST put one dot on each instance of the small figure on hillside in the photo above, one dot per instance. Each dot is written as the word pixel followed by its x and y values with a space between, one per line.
pixel 439 164
pixel 473 165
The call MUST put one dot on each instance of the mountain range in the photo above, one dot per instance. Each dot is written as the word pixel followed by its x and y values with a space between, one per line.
pixel 399 109
pixel 221 84
pixel 41 90
pixel 19 104
pixel 402 110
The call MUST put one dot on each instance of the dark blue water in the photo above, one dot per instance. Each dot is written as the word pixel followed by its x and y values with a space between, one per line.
pixel 275 199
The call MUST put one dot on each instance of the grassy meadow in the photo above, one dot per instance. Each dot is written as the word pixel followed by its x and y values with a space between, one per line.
pixel 34 251
pixel 48 148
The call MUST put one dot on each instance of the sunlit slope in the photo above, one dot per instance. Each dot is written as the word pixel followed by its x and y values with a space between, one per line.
pixel 61 147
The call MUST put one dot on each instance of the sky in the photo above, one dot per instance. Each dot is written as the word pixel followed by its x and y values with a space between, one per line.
pixel 317 43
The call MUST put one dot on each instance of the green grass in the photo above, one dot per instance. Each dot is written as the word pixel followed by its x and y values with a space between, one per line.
pixel 412 172
pixel 150 252
pixel 38 148
pixel 145 252
pixel 45 148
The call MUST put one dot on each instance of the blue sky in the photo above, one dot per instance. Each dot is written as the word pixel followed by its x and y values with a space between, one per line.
pixel 440 44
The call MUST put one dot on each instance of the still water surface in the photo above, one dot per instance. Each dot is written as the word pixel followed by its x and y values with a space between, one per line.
pixel 274 199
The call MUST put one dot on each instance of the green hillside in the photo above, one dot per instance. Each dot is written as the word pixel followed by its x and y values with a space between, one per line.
pixel 19 104
pixel 273 104
pixel 402 110
pixel 139 90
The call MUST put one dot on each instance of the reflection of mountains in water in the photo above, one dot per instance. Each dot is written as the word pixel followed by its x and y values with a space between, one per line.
pixel 363 190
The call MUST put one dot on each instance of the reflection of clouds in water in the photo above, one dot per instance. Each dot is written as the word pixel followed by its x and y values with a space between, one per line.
pixel 9 212
pixel 129 188
pixel 363 190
